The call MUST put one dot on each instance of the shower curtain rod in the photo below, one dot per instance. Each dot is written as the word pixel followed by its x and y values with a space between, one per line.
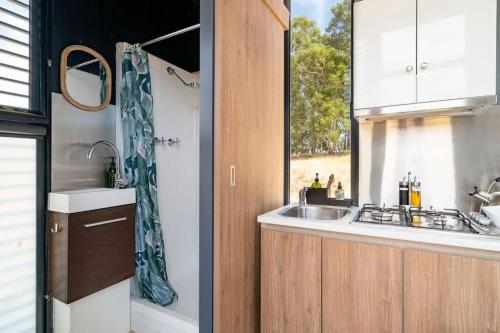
pixel 149 42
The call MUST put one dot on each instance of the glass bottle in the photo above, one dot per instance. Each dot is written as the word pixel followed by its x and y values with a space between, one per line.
pixel 316 183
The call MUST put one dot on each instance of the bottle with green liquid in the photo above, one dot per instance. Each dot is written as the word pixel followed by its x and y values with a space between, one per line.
pixel 316 183
pixel 109 174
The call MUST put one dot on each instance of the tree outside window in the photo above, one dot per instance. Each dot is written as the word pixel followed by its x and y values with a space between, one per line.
pixel 320 98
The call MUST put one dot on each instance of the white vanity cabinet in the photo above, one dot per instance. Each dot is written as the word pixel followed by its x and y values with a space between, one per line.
pixel 408 52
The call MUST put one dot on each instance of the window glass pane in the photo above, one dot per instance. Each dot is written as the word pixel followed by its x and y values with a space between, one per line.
pixel 320 94
pixel 17 235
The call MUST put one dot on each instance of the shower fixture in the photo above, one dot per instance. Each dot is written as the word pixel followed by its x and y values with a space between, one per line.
pixel 170 141
pixel 194 85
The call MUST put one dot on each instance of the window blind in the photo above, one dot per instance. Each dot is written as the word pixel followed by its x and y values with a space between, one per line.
pixel 17 235
pixel 15 53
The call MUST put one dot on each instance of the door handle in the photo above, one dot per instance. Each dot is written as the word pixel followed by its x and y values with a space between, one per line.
pixel 409 69
pixel 232 176
pixel 424 65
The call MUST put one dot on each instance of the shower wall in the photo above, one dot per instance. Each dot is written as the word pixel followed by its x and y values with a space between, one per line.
pixel 176 115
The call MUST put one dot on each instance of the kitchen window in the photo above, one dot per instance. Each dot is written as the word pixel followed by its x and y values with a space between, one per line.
pixel 320 133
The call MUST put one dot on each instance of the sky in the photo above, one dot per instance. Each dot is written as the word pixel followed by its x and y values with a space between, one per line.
pixel 317 10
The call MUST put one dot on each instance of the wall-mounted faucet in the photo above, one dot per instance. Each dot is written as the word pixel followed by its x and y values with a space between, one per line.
pixel 119 180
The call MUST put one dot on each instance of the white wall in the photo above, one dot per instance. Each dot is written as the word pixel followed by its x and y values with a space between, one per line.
pixel 74 131
pixel 176 114
pixel 106 311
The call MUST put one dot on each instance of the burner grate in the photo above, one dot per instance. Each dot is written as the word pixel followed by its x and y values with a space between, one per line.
pixel 447 219
pixel 417 217
pixel 370 213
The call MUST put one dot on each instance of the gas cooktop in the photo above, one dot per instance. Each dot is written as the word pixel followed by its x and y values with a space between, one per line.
pixel 417 217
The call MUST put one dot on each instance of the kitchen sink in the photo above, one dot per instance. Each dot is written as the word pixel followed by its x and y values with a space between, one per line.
pixel 316 212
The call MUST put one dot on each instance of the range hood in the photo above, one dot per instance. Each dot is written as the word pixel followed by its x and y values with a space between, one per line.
pixel 452 107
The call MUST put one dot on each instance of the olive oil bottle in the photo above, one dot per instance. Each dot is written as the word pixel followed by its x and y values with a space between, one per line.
pixel 316 183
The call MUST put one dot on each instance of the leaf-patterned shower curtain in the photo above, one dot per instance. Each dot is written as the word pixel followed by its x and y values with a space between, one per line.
pixel 140 170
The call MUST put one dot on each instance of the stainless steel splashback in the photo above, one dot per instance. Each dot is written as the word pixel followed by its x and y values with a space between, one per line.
pixel 73 132
pixel 449 155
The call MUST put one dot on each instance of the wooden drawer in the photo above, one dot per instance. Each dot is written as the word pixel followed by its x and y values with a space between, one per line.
pixel 90 251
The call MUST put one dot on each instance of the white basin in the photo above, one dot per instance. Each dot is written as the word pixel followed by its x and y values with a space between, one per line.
pixel 90 199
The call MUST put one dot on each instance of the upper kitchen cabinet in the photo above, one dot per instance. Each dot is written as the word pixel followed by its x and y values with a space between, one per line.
pixel 424 57
pixel 384 53
pixel 456 55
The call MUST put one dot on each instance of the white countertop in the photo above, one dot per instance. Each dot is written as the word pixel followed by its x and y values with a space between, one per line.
pixel 90 199
pixel 344 225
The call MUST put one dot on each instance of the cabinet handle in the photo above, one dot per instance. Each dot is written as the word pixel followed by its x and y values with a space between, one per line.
pixel 409 69
pixel 90 225
pixel 424 65
pixel 232 176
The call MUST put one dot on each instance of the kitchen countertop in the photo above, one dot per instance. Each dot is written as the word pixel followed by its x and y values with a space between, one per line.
pixel 344 225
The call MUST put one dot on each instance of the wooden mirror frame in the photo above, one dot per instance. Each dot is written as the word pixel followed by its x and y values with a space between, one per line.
pixel 64 87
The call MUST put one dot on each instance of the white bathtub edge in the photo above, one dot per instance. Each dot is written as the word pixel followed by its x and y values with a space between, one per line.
pixel 147 317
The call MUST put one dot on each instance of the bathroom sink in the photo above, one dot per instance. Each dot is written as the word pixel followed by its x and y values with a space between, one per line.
pixel 90 199
pixel 316 212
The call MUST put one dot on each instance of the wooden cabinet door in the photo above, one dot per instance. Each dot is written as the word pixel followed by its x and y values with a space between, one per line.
pixel 290 283
pixel 446 293
pixel 362 287
pixel 457 43
pixel 248 150
pixel 384 53
pixel 92 251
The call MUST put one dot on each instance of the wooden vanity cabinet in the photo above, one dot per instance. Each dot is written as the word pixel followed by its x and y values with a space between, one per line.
pixel 362 287
pixel 291 283
pixel 90 251
pixel 450 293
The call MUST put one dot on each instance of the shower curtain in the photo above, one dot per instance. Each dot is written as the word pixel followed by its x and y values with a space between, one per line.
pixel 140 170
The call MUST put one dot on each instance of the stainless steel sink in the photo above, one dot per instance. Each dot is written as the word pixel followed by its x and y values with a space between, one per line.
pixel 316 212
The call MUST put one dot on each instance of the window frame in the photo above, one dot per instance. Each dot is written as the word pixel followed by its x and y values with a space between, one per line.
pixel 287 122
pixel 35 124
pixel 42 183
pixel 39 63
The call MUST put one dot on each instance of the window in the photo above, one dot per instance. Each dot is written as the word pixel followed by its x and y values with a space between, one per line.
pixel 23 167
pixel 18 227
pixel 15 54
pixel 320 93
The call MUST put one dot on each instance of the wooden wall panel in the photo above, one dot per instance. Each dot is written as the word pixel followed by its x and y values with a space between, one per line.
pixel 450 294
pixel 362 287
pixel 291 283
pixel 249 135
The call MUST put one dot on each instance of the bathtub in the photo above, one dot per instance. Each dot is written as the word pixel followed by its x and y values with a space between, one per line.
pixel 147 317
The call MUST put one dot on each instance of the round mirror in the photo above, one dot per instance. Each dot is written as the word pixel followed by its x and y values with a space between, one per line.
pixel 85 78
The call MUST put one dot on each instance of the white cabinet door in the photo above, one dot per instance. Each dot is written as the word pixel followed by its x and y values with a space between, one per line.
pixel 384 53
pixel 456 49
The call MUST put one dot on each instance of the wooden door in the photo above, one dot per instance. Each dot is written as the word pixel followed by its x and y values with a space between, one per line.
pixel 445 293
pixel 249 150
pixel 290 283
pixel 362 287
pixel 384 53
